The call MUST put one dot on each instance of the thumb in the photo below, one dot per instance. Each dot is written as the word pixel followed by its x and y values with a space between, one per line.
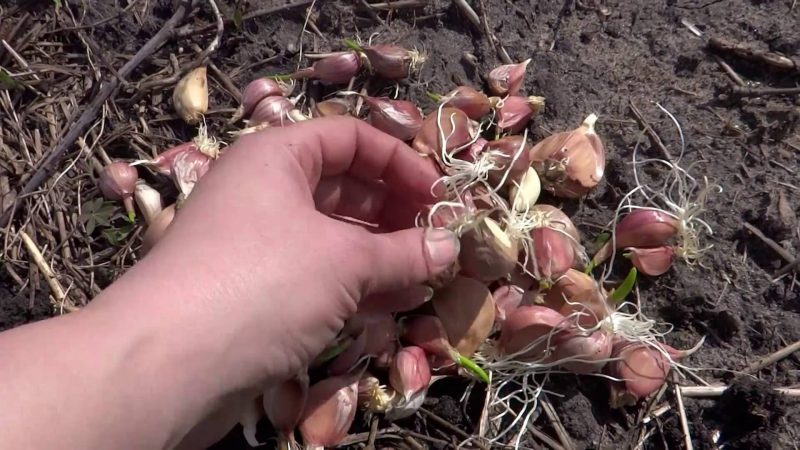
pixel 404 258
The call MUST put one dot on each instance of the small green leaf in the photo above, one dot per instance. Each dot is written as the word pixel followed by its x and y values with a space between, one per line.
pixel 115 236
pixel 625 288
pixel 602 238
pixel 353 45
pixel 237 19
pixel 434 96
pixel 57 3
pixel 472 367
pixel 7 81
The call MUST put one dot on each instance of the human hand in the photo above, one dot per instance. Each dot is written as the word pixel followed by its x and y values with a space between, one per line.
pixel 260 264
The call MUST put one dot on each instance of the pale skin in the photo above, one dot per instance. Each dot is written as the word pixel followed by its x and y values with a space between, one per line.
pixel 249 284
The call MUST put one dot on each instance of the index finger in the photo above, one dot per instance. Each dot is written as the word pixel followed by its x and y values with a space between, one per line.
pixel 351 146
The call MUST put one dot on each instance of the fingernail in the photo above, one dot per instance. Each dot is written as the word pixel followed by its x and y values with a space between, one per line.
pixel 442 246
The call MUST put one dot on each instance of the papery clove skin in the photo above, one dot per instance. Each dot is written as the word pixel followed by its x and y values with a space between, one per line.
pixel 330 108
pixel 190 96
pixel 250 416
pixel 330 409
pixel 409 372
pixel 474 103
pixel 466 308
pixel 454 123
pixel 527 330
pixel 284 403
pixel 148 200
pixel 187 169
pixel 487 251
pixel 162 163
pixel 511 155
pixel 553 253
pixel 514 113
pixel 582 353
pixel 508 78
pixel 155 230
pixel 273 111
pixel 506 299
pixel 571 163
pixel 335 69
pixel 641 228
pixel 393 62
pixel 261 88
pixel 555 218
pixel 398 118
pixel 118 182
pixel 652 261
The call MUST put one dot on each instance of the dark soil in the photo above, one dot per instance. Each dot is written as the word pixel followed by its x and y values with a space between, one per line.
pixel 602 57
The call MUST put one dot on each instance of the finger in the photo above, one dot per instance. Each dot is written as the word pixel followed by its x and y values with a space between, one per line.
pixel 398 260
pixel 348 145
pixel 396 301
pixel 365 200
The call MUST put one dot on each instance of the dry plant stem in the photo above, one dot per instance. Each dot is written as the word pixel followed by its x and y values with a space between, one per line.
pixel 716 391
pixel 373 433
pixel 555 422
pixel 472 16
pixel 772 244
pixel 399 4
pixel 761 92
pixel 443 423
pixel 54 156
pixel 188 30
pixel 218 36
pixel 651 133
pixel 775 60
pixel 58 292
pixel 687 437
pixel 729 70
pixel 545 438
pixel 772 358
pixel 494 41
pixel 788 268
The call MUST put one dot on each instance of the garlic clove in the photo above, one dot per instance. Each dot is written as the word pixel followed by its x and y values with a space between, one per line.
pixel 452 122
pixel 582 353
pixel 487 251
pixel 652 261
pixel 474 103
pixel 397 118
pixel 571 163
pixel 261 88
pixel 330 108
pixel 526 192
pixel 190 97
pixel 393 62
pixel 578 294
pixel 508 78
pixel 506 299
pixel 555 218
pixel 187 169
pixel 155 230
pixel 428 333
pixel 514 112
pixel 466 308
pixel 641 228
pixel 284 403
pixel 273 111
pixel 335 69
pixel 642 369
pixel 118 182
pixel 148 200
pixel 329 412
pixel 409 372
pixel 553 254
pixel 527 332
